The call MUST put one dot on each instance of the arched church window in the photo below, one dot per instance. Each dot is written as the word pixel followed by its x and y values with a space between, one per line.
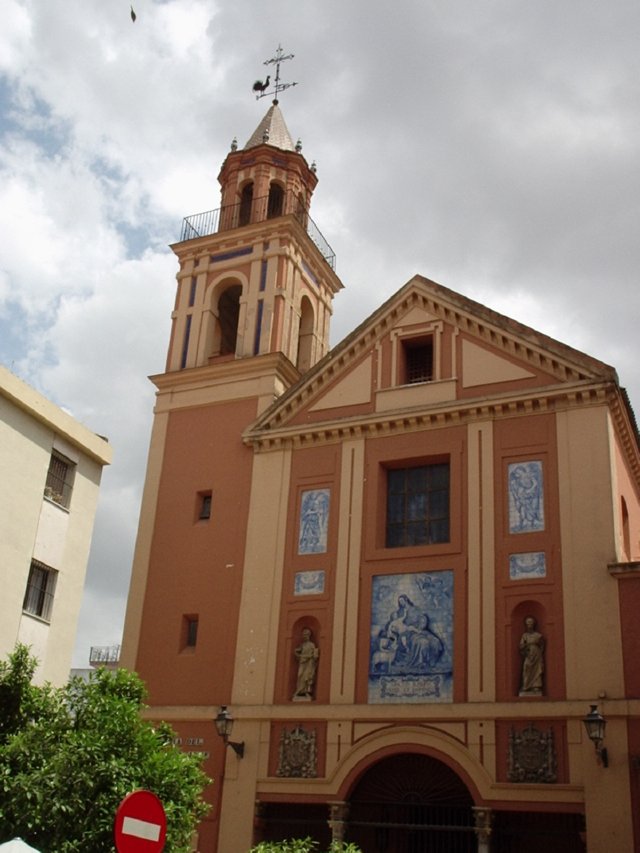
pixel 626 534
pixel 275 205
pixel 228 315
pixel 246 201
pixel 305 335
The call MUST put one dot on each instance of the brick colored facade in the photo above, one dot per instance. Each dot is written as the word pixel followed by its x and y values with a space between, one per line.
pixel 530 455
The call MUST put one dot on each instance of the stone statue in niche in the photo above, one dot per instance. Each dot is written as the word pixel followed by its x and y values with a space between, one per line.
pixel 532 653
pixel 307 656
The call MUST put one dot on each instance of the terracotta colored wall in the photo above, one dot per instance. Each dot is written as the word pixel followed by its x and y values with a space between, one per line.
pixel 628 491
pixel 629 589
pixel 315 468
pixel 521 440
pixel 196 566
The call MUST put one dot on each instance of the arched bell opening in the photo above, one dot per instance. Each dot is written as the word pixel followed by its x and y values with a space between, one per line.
pixel 275 204
pixel 305 335
pixel 222 325
pixel 246 202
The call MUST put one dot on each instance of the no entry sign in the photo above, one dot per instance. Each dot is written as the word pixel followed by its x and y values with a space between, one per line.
pixel 141 824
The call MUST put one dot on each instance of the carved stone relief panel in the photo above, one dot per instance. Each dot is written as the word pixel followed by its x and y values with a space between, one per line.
pixel 297 757
pixel 532 755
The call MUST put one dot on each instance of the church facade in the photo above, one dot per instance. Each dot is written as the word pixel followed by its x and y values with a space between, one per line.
pixel 406 568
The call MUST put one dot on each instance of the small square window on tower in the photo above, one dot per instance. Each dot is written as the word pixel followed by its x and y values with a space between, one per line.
pixel 417 360
pixel 203 506
pixel 189 632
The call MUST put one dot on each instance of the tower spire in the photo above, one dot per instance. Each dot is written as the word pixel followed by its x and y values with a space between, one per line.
pixel 261 88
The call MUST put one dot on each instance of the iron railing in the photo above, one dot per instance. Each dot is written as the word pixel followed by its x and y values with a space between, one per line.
pixel 103 655
pixel 257 210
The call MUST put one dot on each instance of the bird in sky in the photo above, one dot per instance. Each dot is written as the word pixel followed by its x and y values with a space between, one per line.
pixel 133 15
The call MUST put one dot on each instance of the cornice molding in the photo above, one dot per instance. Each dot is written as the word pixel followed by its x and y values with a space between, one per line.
pixel 256 235
pixel 451 413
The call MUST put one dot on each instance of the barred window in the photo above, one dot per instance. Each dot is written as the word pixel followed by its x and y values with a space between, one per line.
pixel 41 586
pixel 59 481
pixel 417 505
pixel 418 360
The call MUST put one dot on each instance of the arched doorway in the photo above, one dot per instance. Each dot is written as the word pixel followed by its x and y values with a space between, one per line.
pixel 411 803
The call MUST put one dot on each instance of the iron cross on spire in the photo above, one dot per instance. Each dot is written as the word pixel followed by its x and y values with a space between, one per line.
pixel 261 88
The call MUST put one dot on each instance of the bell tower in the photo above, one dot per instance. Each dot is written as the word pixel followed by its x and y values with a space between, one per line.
pixel 256 276
pixel 253 306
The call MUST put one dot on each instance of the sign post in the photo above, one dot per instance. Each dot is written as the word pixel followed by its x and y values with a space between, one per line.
pixel 141 824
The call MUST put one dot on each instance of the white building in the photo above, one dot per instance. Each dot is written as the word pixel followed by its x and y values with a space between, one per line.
pixel 51 468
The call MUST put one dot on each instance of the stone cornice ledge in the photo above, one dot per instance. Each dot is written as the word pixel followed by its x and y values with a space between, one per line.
pixel 630 569
pixel 451 413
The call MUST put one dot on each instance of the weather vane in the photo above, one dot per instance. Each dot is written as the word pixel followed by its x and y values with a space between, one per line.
pixel 261 88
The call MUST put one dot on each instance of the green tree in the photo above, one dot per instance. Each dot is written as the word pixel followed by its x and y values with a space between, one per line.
pixel 69 755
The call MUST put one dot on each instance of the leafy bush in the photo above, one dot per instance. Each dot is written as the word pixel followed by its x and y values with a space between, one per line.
pixel 302 845
pixel 69 755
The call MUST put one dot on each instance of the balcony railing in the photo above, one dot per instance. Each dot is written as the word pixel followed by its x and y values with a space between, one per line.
pixel 104 655
pixel 258 210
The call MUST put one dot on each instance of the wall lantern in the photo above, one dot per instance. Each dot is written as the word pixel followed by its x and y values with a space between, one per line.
pixel 595 725
pixel 224 725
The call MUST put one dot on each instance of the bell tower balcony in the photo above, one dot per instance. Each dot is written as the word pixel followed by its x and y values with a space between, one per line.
pixel 254 211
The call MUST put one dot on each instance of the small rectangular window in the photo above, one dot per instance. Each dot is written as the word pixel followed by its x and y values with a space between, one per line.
pixel 417 505
pixel 59 482
pixel 189 631
pixel 418 360
pixel 204 506
pixel 192 291
pixel 41 586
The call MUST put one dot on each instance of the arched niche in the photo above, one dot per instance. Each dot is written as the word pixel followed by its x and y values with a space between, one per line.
pixel 304 623
pixel 521 612
pixel 305 335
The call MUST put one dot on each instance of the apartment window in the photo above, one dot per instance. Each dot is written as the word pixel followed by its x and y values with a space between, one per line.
pixel 418 360
pixel 38 598
pixel 417 505
pixel 59 482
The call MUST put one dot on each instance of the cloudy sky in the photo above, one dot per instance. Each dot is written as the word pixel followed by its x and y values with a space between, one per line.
pixel 492 146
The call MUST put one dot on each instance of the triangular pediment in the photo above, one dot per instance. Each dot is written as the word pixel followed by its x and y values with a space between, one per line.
pixel 477 354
